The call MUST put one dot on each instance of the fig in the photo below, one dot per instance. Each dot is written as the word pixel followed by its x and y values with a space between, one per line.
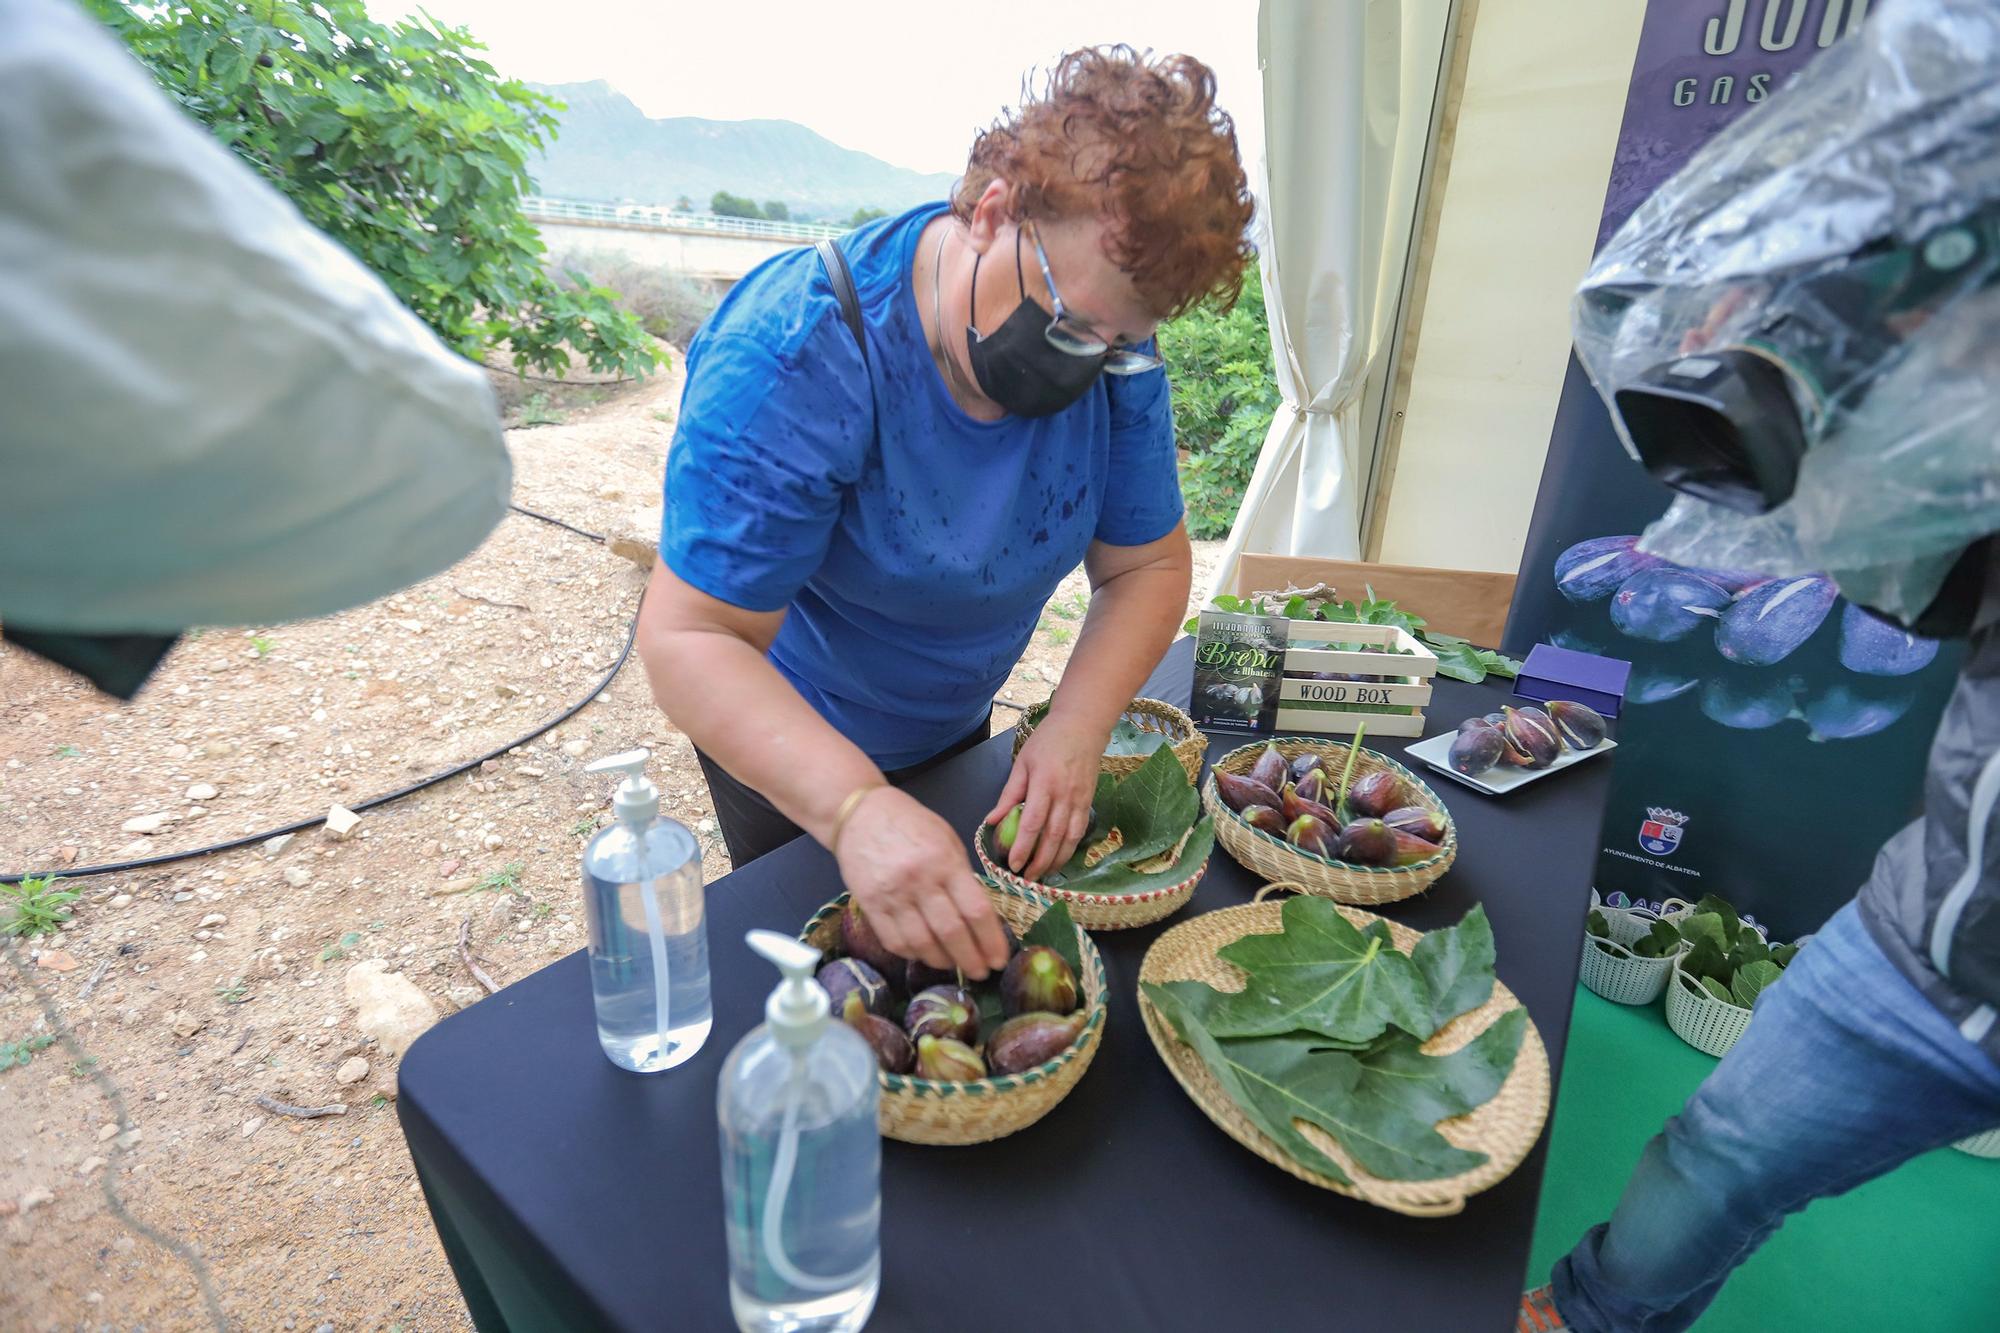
pixel 1037 981
pixel 1747 702
pixel 1591 571
pixel 1842 713
pixel 1239 794
pixel 1307 763
pixel 919 976
pixel 1529 732
pixel 1419 821
pixel 1768 623
pixel 948 1060
pixel 1579 726
pixel 943 1011
pixel 1312 787
pixel 1874 647
pixel 1296 805
pixel 1376 794
pixel 1476 749
pixel 1666 604
pixel 1374 842
pixel 859 940
pixel 1270 768
pixel 850 976
pixel 892 1049
pixel 1027 1040
pixel 1265 819
pixel 1008 829
pixel 1310 834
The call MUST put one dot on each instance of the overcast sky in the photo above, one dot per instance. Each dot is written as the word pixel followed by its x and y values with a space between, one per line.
pixel 906 80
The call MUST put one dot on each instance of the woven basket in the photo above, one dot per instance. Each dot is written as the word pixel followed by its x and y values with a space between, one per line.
pixel 1189 745
pixel 1618 974
pixel 1274 859
pixel 1095 911
pixel 922 1110
pixel 1505 1128
pixel 1981 1145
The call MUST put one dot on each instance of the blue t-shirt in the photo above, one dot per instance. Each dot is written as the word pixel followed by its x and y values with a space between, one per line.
pixel 913 545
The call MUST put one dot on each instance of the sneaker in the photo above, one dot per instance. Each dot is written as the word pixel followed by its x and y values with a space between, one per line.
pixel 1538 1312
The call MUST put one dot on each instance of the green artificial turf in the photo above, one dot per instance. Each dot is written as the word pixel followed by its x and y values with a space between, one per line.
pixel 1917 1249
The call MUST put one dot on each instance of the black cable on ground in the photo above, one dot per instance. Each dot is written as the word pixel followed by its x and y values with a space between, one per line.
pixel 167 858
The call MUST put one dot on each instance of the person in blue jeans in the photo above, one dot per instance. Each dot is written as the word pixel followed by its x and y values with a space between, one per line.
pixel 1801 332
pixel 868 503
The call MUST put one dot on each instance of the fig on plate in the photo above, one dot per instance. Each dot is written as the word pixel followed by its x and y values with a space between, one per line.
pixel 1377 793
pixel 1270 768
pixel 1296 805
pixel 1476 748
pixel 1038 981
pixel 1579 726
pixel 1310 834
pixel 1239 794
pixel 943 1011
pixel 859 940
pixel 1265 819
pixel 1373 842
pixel 1027 1040
pixel 1309 762
pixel 1591 571
pixel 1530 732
pixel 1874 647
pixel 1768 623
pixel 1419 821
pixel 1312 787
pixel 850 976
pixel 1008 829
pixel 1666 604
pixel 948 1060
pixel 892 1049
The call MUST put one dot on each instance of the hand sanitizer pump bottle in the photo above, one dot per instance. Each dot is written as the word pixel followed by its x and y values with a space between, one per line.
pixel 801 1160
pixel 648 932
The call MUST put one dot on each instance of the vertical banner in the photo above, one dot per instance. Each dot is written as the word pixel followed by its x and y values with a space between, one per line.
pixel 1774 736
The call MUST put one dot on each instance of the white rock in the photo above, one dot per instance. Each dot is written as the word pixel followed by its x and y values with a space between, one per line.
pixel 121 900
pixel 203 791
pixel 90 1164
pixel 106 1133
pixel 184 1023
pixel 493 842
pixel 252 1125
pixel 146 824
pixel 134 850
pixel 506 691
pixel 352 1070
pixel 530 771
pixel 211 921
pixel 273 846
pixel 177 752
pixel 388 1007
pixel 35 1197
pixel 706 826
pixel 576 749
pixel 340 821
pixel 131 1137
pixel 298 876
pixel 184 897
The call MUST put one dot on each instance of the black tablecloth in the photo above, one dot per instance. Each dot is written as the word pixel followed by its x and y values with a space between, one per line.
pixel 570 1194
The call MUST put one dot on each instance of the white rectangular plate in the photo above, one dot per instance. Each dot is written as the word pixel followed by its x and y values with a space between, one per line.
pixel 1436 752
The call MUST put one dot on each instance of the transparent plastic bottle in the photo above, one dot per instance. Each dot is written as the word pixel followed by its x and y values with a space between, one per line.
pixel 648 931
pixel 801 1160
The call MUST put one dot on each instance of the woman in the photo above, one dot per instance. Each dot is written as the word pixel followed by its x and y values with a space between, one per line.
pixel 862 526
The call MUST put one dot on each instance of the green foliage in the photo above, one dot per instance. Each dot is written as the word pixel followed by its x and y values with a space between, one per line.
pixel 505 880
pixel 1728 959
pixel 776 211
pixel 537 412
pixel 1224 394
pixel 671 306
pixel 861 216
pixel 262 646
pixel 403 145
pixel 1056 930
pixel 1457 658
pixel 22 1052
pixel 68 752
pixel 340 948
pixel 726 205
pixel 34 906
pixel 236 992
pixel 1157 813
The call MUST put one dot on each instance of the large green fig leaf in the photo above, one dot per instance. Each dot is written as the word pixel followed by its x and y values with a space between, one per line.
pixel 1457 967
pixel 1701 926
pixel 1321 975
pixel 1706 959
pixel 1151 808
pixel 1750 981
pixel 1117 875
pixel 1128 739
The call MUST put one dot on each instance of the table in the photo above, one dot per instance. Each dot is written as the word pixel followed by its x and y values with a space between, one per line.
pixel 572 1195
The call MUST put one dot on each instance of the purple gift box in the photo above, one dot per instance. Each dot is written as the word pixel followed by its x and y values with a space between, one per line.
pixel 1562 673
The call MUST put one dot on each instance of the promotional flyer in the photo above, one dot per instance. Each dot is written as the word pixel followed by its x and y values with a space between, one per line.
pixel 1774 735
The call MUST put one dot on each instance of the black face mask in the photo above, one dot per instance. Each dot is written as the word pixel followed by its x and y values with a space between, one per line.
pixel 1016 365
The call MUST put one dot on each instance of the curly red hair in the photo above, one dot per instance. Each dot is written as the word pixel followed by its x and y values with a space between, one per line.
pixel 1139 140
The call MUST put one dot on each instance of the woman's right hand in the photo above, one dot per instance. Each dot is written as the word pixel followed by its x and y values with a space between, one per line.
pixel 908 869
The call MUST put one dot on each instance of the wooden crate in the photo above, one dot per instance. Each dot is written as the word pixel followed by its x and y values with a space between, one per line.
pixel 1415 664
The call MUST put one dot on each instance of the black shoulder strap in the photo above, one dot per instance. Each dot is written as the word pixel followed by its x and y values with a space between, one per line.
pixel 842 279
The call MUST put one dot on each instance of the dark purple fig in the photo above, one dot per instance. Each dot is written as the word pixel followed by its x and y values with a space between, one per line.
pixel 850 976
pixel 1768 623
pixel 892 1049
pixel 948 1060
pixel 1307 763
pixel 1270 768
pixel 943 1011
pixel 1476 749
pixel 1735 582
pixel 1665 604
pixel 1377 793
pixel 1418 821
pixel 859 940
pixel 1297 807
pixel 1023 1042
pixel 1843 713
pixel 1038 981
pixel 920 976
pixel 1530 732
pixel 1580 726
pixel 1374 842
pixel 1318 836
pixel 1240 794
pixel 1591 571
pixel 1875 647
pixel 1313 786
pixel 1008 829
pixel 1747 701
pixel 1495 719
pixel 1265 819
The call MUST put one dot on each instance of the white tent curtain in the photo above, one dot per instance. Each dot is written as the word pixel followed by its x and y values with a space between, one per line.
pixel 1348 93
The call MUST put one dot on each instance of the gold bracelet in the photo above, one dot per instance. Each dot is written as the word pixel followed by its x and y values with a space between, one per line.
pixel 847 808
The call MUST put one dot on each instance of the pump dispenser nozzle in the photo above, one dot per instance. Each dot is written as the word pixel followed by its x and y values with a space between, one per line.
pixel 799 1007
pixel 637 800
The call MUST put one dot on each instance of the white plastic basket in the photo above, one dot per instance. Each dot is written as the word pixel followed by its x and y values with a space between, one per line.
pixel 1616 973
pixel 1981 1145
pixel 1702 1021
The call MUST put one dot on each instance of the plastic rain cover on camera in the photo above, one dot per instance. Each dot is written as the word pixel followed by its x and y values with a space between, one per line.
pixel 210 414
pixel 1887 143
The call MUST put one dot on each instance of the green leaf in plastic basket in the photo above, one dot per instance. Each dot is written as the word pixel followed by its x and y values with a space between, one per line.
pixel 1595 924
pixel 1750 981
pixel 1717 989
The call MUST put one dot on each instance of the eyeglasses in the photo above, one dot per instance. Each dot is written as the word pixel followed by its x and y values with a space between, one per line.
pixel 1068 335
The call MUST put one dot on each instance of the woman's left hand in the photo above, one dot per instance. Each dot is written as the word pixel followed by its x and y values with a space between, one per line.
pixel 1055 780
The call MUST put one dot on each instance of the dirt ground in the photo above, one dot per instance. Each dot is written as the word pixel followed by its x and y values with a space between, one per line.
pixel 142 1183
